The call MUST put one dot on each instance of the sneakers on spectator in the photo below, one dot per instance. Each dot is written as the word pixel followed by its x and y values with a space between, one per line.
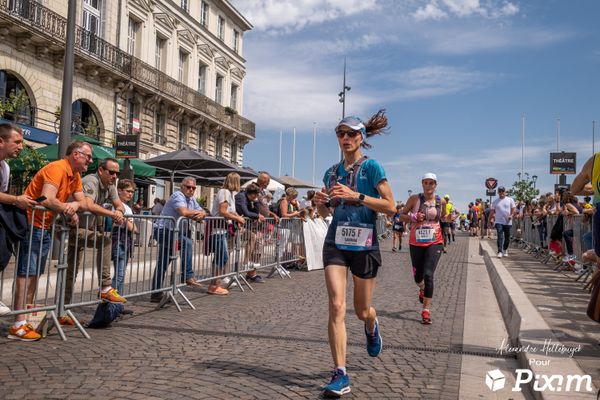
pixel 25 333
pixel 338 386
pixel 394 249
pixel 217 290
pixel 374 341
pixel 421 295
pixel 255 279
pixel 499 254
pixel 192 282
pixel 228 282
pixel 66 320
pixel 112 296
pixel 4 309
pixel 425 317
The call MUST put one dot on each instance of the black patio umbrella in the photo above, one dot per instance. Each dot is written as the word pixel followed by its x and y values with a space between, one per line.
pixel 207 170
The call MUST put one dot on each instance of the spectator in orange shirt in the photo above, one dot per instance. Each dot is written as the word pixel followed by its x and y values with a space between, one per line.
pixel 51 187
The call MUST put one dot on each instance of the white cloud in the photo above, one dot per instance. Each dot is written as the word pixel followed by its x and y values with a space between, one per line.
pixel 293 15
pixel 429 11
pixel 441 9
pixel 437 80
pixel 456 40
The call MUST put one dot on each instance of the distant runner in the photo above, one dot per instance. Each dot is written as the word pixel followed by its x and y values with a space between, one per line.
pixel 425 211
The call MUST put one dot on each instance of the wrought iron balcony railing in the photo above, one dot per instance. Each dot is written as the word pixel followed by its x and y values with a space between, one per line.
pixel 47 23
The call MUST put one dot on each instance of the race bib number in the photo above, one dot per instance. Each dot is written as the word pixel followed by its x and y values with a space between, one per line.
pixel 354 237
pixel 397 226
pixel 425 234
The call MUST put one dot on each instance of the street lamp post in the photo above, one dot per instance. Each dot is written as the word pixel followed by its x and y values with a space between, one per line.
pixel 534 180
pixel 409 192
pixel 342 94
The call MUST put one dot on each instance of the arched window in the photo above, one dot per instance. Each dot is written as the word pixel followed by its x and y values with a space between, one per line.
pixel 16 102
pixel 85 121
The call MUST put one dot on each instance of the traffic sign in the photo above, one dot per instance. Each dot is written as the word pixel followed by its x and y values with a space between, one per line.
pixel 490 192
pixel 491 183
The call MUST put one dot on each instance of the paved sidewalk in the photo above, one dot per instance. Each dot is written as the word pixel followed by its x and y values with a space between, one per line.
pixel 562 303
pixel 269 344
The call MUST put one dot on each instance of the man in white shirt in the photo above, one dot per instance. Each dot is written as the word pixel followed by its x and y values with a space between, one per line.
pixel 503 209
pixel 11 144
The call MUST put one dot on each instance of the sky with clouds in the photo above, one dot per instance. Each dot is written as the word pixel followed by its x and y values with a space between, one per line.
pixel 455 77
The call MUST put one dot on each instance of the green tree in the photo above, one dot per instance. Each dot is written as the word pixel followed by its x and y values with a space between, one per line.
pixel 14 106
pixel 23 168
pixel 523 190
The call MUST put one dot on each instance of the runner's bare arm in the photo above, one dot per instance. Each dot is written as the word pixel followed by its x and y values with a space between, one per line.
pixel 583 178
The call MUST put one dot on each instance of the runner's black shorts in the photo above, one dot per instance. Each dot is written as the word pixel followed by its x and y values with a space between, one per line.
pixel 363 264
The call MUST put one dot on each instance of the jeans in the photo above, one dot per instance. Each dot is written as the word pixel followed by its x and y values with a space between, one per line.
pixel 503 232
pixel 120 262
pixel 542 229
pixel 218 245
pixel 32 261
pixel 568 237
pixel 165 247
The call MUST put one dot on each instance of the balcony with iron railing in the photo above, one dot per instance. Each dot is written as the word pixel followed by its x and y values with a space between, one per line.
pixel 48 24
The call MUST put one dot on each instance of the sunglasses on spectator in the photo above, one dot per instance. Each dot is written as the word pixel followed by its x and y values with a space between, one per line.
pixel 190 187
pixel 115 173
pixel 350 134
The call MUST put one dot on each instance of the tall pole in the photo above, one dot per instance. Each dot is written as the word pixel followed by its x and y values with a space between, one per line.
pixel 294 155
pixel 557 134
pixel 523 145
pixel 314 151
pixel 280 140
pixel 64 136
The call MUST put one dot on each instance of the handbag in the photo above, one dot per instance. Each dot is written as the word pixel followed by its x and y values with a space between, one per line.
pixel 557 230
pixel 593 310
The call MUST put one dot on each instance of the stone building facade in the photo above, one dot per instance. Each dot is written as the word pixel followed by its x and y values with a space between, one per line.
pixel 171 71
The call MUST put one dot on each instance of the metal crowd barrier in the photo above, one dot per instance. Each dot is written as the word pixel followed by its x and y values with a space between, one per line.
pixel 529 240
pixel 383 231
pixel 157 259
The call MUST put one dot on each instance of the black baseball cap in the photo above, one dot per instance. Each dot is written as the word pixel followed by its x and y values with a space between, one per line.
pixel 501 189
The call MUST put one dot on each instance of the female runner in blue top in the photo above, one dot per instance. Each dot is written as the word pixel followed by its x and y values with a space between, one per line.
pixel 356 189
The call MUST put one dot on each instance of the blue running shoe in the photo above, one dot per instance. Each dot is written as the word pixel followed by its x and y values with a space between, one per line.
pixel 339 385
pixel 374 342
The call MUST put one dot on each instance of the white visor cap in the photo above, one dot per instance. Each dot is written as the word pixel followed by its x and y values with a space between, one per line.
pixel 429 175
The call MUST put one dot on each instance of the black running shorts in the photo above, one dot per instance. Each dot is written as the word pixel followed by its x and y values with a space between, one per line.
pixel 363 264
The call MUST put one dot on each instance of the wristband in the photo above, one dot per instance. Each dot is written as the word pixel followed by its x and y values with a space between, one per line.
pixel 413 216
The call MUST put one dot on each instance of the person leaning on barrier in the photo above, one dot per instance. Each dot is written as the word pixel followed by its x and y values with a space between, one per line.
pixel 181 204
pixel 101 194
pixel 13 221
pixel 265 197
pixel 51 186
pixel 223 232
pixel 247 205
pixel 122 235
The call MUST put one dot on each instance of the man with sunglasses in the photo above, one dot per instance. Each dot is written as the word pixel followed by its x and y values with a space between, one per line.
pixel 102 196
pixel 181 204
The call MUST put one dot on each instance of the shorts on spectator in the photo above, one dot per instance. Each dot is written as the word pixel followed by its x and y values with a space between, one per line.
pixel 33 262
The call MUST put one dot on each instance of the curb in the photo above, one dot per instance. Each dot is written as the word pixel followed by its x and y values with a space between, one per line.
pixel 528 332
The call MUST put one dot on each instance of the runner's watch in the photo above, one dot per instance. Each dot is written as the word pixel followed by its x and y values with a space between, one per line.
pixel 361 198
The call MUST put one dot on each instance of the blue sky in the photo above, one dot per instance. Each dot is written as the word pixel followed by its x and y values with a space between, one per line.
pixel 455 76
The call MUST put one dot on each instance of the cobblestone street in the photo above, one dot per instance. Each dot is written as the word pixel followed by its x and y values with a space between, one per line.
pixel 268 344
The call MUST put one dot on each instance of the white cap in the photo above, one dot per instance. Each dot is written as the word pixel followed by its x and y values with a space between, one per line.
pixel 429 175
